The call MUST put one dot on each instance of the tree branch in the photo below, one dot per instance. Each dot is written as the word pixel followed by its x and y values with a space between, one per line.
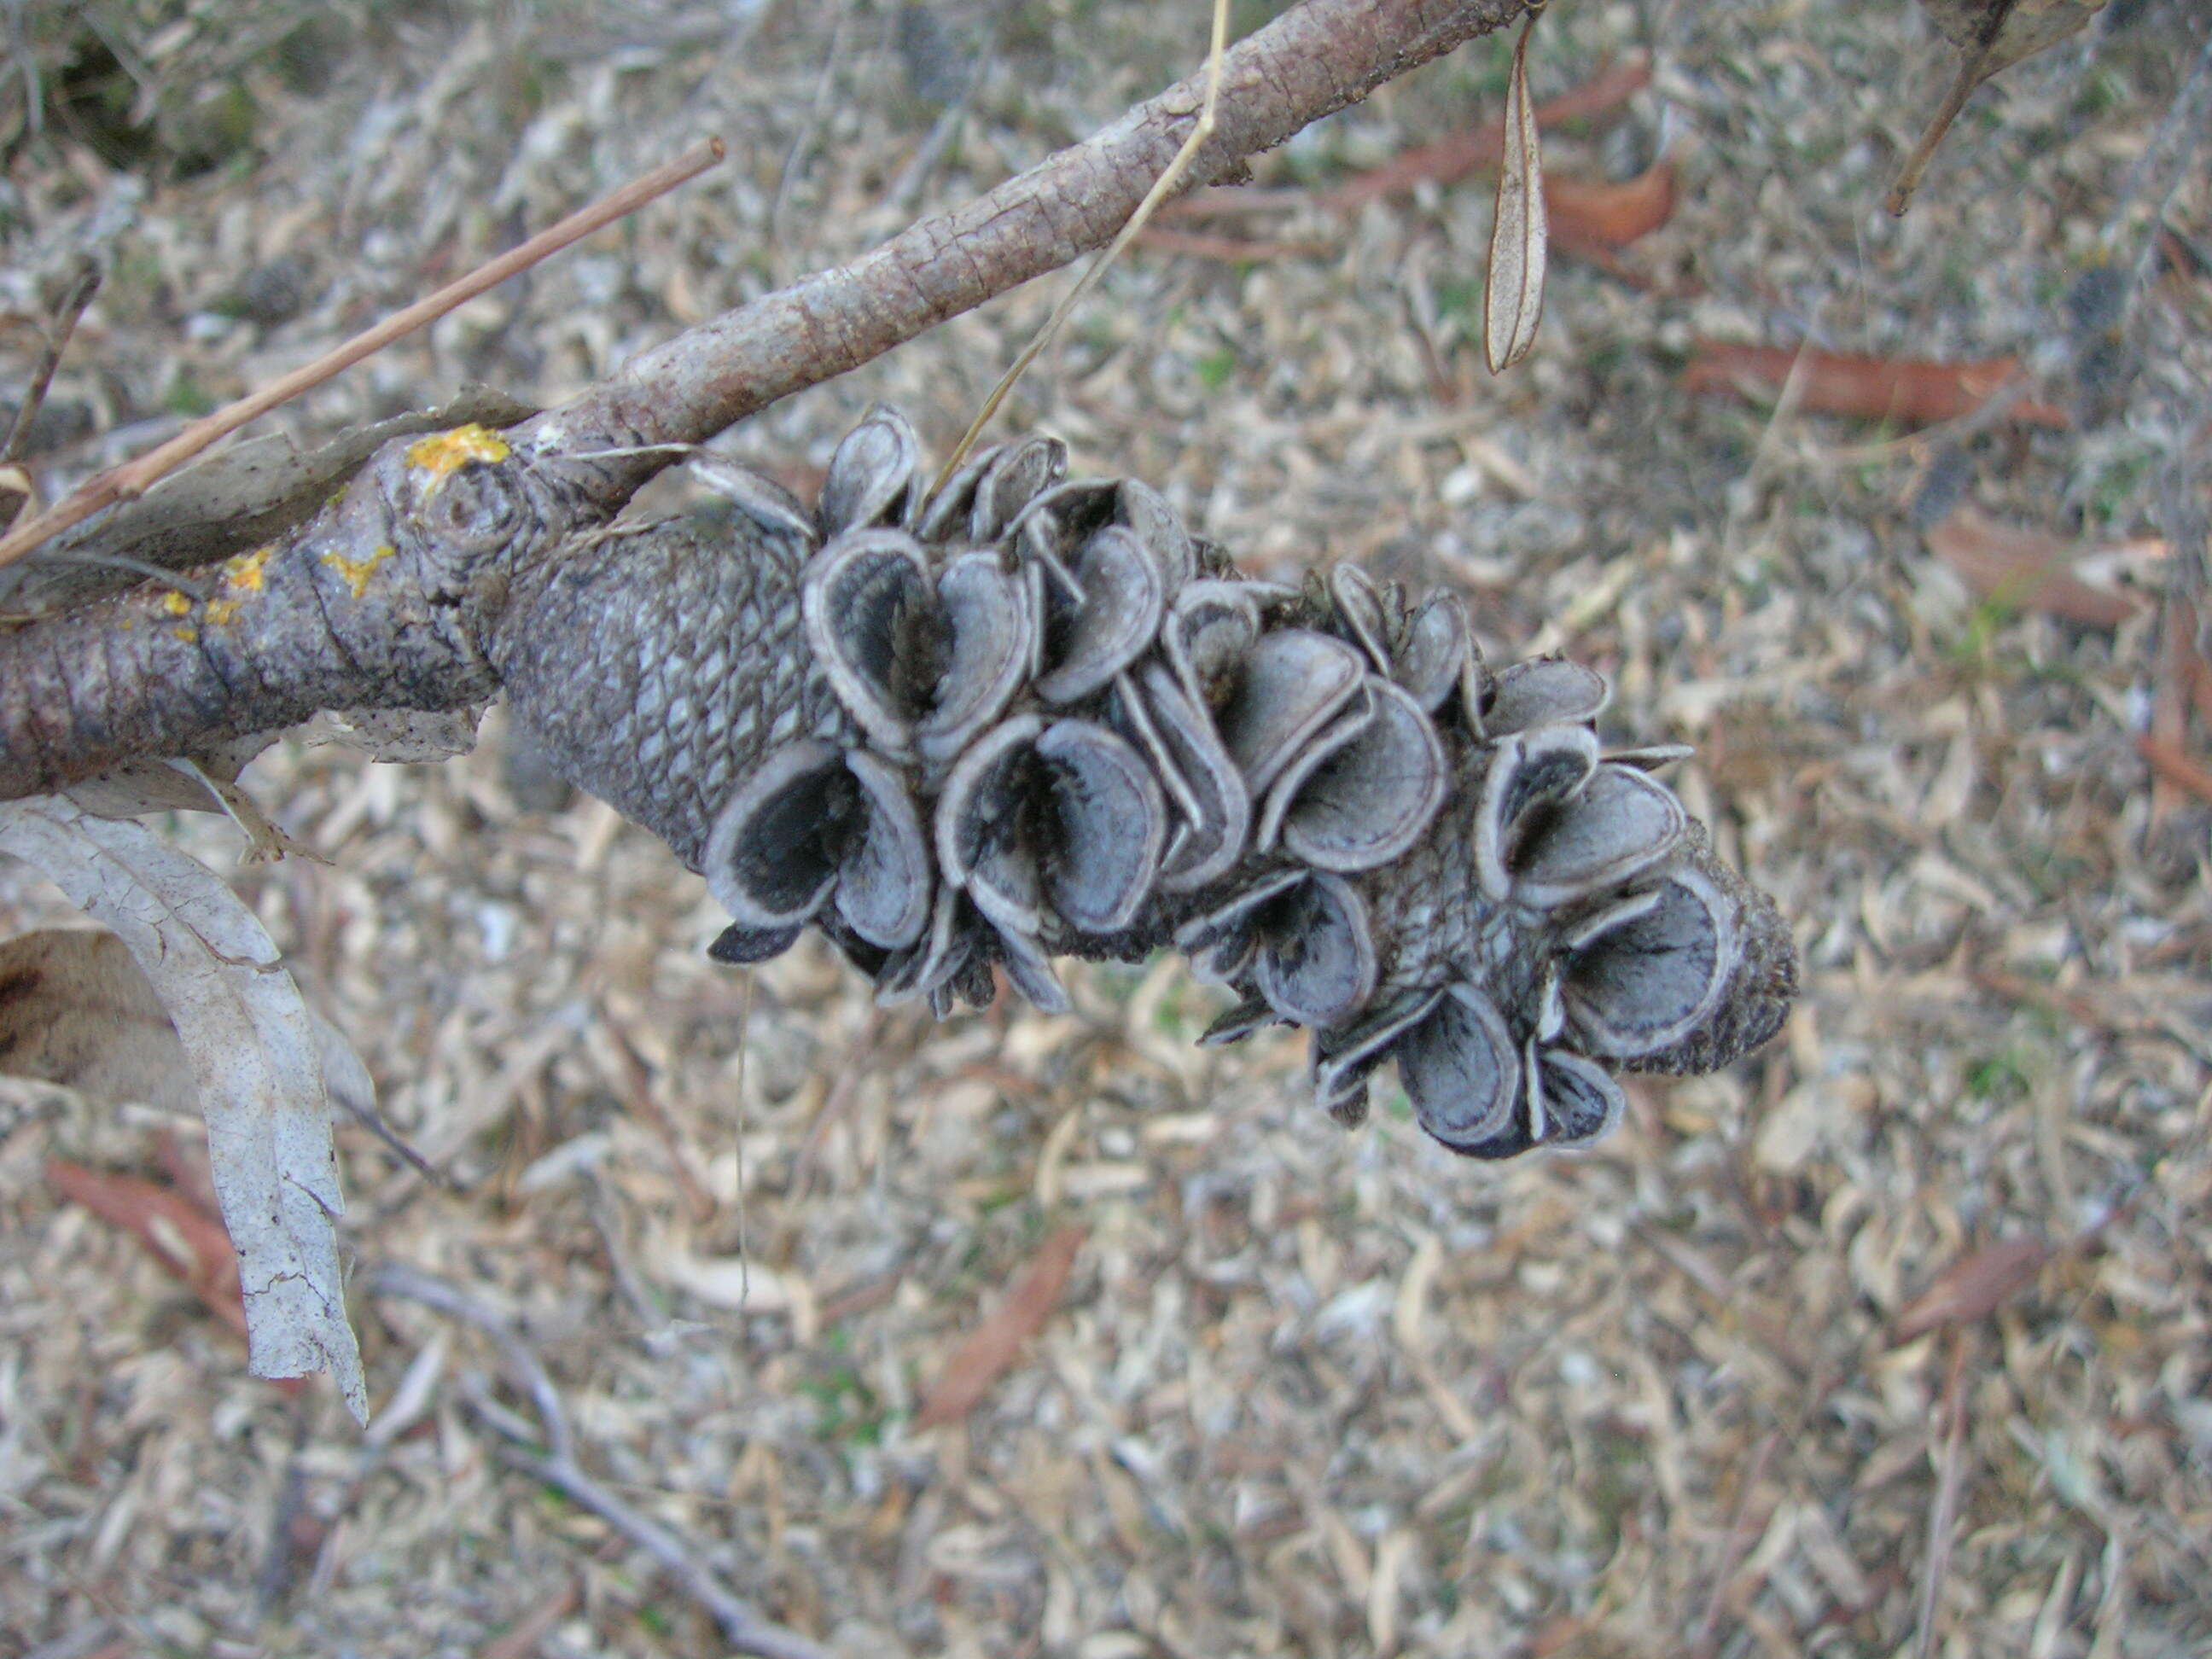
pixel 388 599
pixel 134 478
pixel 1307 64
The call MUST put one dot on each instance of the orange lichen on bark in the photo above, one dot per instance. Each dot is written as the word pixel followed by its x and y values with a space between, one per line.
pixel 245 572
pixel 444 454
pixel 358 572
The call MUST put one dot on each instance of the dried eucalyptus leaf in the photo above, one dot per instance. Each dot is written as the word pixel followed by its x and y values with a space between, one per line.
pixel 253 1050
pixel 1518 233
pixel 202 783
pixel 76 1010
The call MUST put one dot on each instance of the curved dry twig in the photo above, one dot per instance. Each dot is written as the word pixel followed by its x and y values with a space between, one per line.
pixel 742 1627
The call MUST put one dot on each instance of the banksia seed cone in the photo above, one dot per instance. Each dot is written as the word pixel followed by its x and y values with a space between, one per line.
pixel 1026 718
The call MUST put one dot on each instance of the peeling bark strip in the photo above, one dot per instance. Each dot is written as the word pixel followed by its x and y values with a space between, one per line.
pixel 384 598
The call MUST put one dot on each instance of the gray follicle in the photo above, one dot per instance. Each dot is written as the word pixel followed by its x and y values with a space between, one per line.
pixel 1032 718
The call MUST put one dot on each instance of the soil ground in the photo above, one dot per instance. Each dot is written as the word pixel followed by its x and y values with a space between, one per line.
pixel 1305 1392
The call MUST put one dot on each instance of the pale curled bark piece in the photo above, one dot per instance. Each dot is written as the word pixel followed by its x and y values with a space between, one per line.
pixel 1513 304
pixel 397 737
pixel 254 1053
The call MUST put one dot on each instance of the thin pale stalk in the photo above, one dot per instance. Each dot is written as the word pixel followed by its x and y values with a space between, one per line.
pixel 1170 176
pixel 135 478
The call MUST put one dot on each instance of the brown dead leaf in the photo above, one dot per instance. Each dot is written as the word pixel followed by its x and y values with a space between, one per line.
pixel 1973 1288
pixel 2027 569
pixel 1911 389
pixel 1471 152
pixel 2185 671
pixel 74 1010
pixel 992 1349
pixel 1587 215
pixel 1990 35
pixel 2183 677
pixel 188 1172
pixel 1513 303
pixel 2175 767
pixel 176 1232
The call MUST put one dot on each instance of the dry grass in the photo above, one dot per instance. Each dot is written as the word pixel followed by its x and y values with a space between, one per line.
pixel 1306 1393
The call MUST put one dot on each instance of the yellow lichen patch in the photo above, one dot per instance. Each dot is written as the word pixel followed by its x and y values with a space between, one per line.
pixel 445 452
pixel 356 571
pixel 245 572
pixel 188 633
pixel 176 604
pixel 221 611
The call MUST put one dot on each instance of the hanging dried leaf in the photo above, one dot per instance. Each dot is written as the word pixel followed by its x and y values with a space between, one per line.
pixel 991 1351
pixel 1990 35
pixel 2002 32
pixel 76 1010
pixel 19 494
pixel 253 1050
pixel 1515 304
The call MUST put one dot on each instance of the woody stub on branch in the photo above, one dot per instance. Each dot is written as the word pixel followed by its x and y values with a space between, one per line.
pixel 961 724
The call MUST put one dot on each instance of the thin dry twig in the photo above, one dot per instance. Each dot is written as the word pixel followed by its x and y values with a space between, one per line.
pixel 75 299
pixel 1201 130
pixel 370 1119
pixel 135 478
pixel 1942 1518
pixel 1230 250
pixel 1742 1534
pixel 744 1630
pixel 533 1627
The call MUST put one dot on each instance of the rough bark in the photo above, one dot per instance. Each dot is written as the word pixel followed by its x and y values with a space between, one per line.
pixel 387 597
